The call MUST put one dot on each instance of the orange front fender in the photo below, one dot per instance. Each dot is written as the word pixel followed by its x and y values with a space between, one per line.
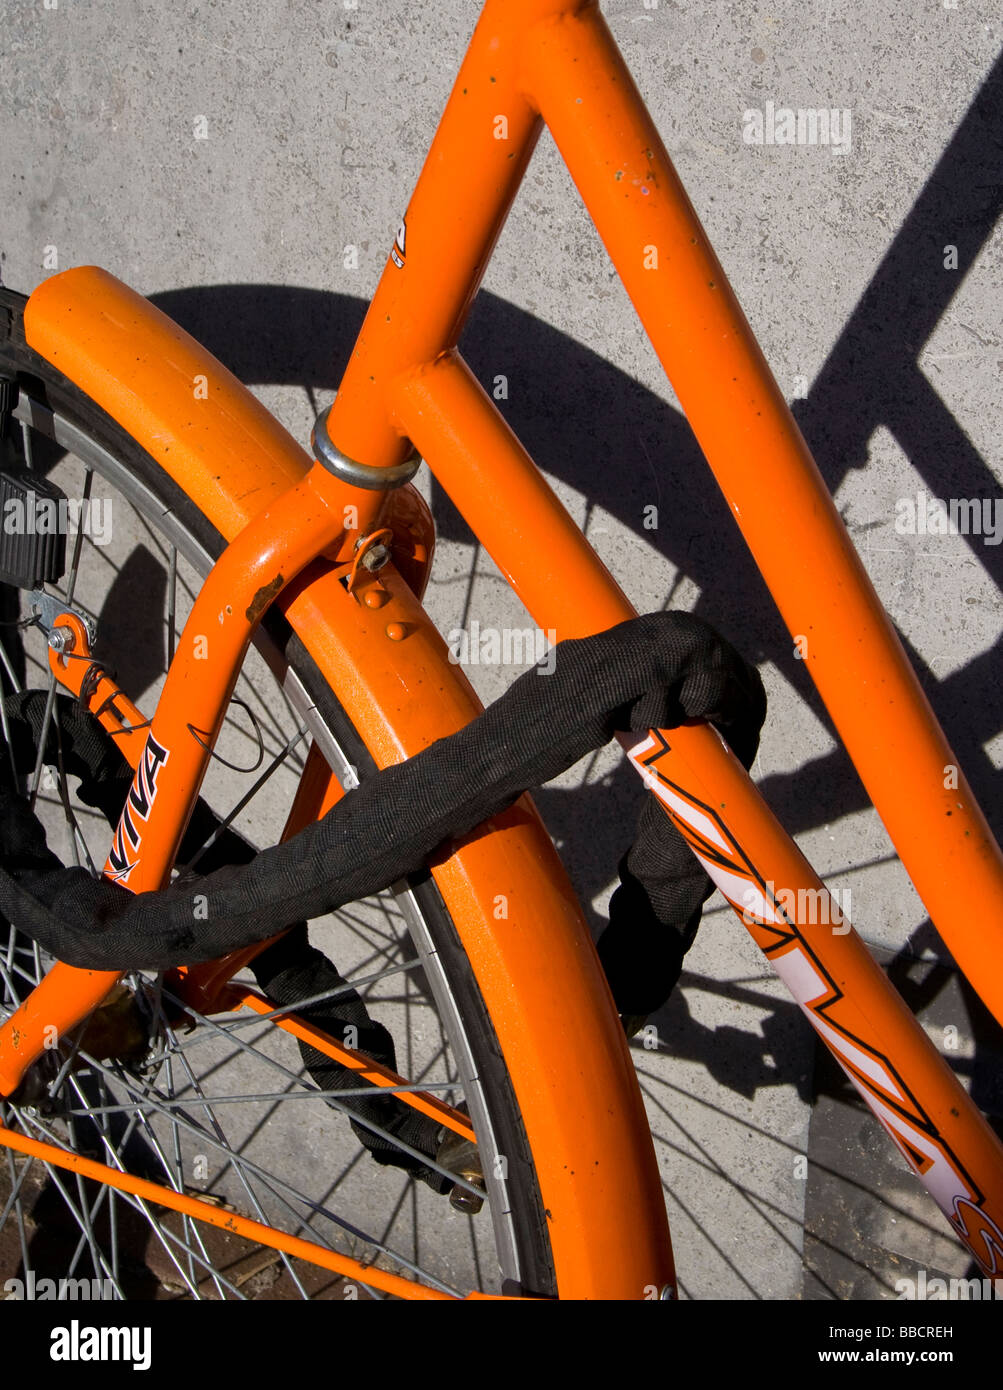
pixel 557 1027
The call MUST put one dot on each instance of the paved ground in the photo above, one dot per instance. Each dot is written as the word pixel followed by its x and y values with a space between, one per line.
pixel 316 119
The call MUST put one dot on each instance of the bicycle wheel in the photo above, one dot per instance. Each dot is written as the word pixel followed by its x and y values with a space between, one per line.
pixel 218 1106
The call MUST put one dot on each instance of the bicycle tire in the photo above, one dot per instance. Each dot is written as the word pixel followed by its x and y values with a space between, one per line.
pixel 521 1232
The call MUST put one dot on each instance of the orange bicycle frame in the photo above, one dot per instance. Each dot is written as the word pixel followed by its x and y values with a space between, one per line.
pixel 406 387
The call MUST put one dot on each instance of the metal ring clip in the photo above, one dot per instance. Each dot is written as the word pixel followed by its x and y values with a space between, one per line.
pixel 358 474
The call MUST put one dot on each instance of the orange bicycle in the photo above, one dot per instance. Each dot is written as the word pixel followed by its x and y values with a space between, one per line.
pixel 216 1089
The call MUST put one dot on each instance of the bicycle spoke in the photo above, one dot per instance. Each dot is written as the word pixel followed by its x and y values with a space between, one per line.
pixel 104 1193
pixel 86 1217
pixel 172 605
pixel 349 987
pixel 78 539
pixel 17 1182
pixel 204 1136
pixel 8 667
pixel 177 1171
pixel 61 1075
pixel 7 975
pixel 76 836
pixel 224 824
pixel 140 1204
pixel 205 1028
pixel 301 1224
pixel 112 1197
pixel 175 1174
pixel 220 1135
pixel 36 776
pixel 269 1096
pixel 87 1228
pixel 374 1128
pixel 56 1178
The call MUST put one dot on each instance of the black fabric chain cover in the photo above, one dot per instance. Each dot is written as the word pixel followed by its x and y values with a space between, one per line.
pixel 650 672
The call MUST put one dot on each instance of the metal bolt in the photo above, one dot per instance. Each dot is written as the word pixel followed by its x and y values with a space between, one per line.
pixel 375 557
pixel 61 639
pixel 460 1199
